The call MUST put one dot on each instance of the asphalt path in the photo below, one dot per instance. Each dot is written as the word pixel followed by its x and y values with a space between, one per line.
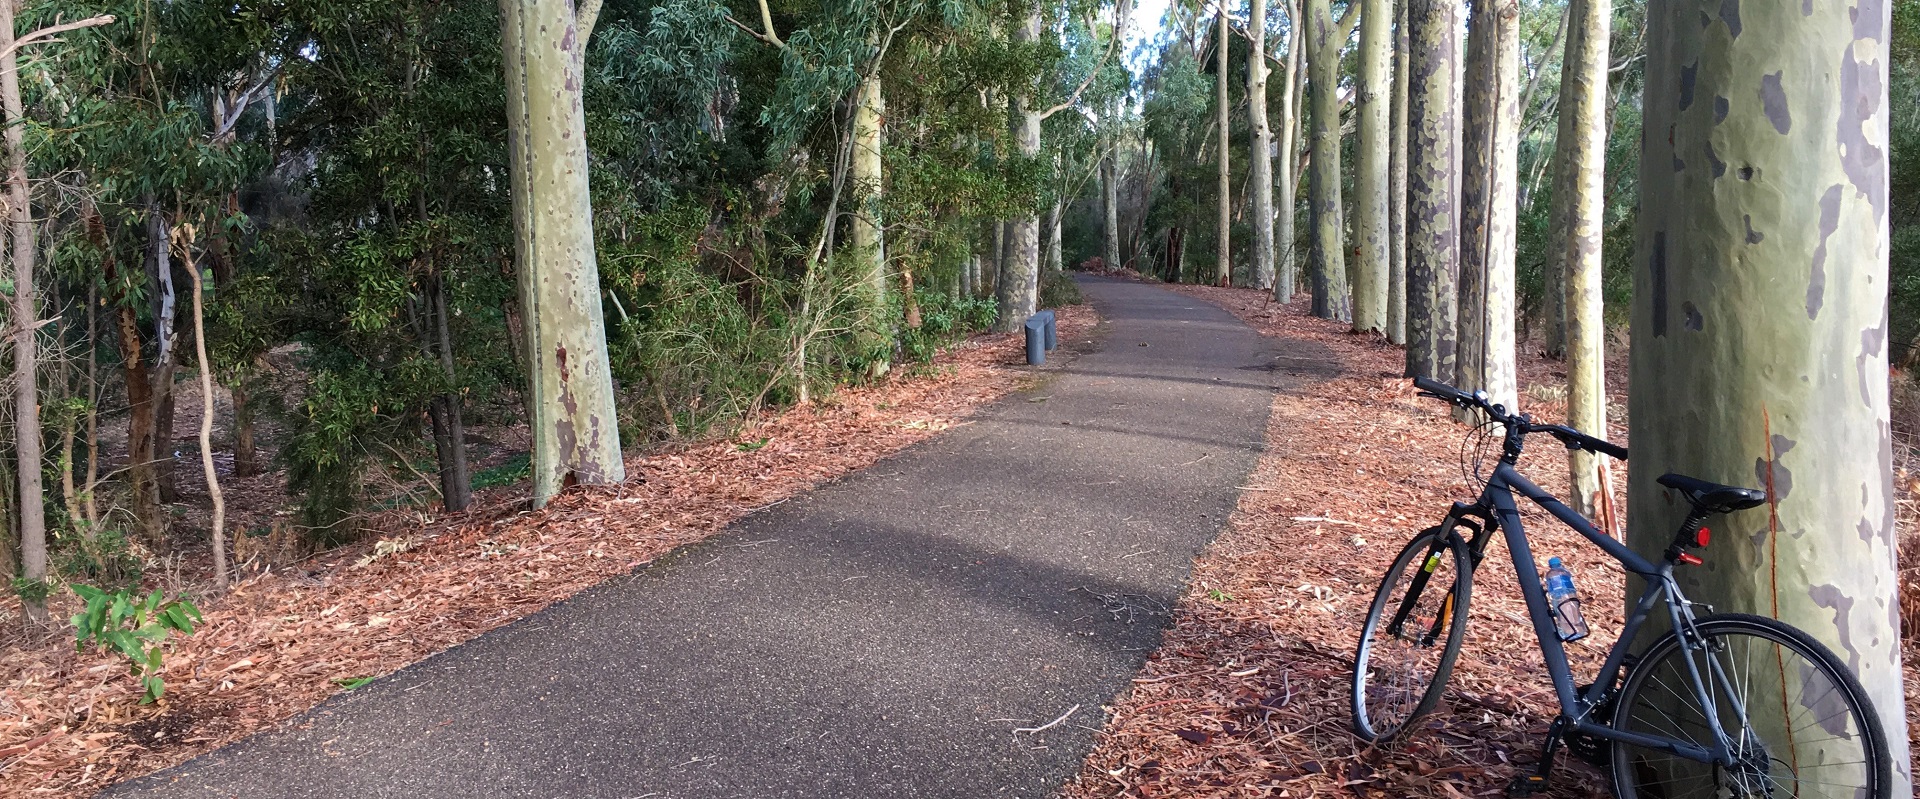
pixel 887 635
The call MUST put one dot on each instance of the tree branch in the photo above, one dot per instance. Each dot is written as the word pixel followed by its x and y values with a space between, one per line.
pixel 1349 20
pixel 1113 44
pixel 50 30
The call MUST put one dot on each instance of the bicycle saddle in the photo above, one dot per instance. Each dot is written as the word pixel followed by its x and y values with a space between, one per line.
pixel 1713 497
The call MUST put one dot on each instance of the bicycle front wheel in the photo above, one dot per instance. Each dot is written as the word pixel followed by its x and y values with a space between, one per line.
pixel 1796 721
pixel 1412 636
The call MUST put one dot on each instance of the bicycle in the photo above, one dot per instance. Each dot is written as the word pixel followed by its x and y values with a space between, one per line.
pixel 1715 707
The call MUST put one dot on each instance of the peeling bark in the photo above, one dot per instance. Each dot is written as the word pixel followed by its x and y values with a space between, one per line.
pixel 1489 203
pixel 576 436
pixel 1775 386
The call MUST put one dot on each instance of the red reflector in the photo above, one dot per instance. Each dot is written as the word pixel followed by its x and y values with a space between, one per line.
pixel 1705 537
pixel 1689 559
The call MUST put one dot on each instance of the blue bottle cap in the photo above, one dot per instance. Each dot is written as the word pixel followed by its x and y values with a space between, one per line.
pixel 1553 563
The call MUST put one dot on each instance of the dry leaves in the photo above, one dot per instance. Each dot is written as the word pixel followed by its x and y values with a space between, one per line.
pixel 1248 695
pixel 279 644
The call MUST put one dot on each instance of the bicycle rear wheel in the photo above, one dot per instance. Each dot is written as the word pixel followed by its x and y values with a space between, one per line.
pixel 1412 636
pixel 1797 721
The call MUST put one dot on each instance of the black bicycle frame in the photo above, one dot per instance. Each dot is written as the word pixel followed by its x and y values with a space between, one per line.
pixel 1498 510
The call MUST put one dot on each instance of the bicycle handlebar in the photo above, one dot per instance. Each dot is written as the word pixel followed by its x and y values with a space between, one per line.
pixel 1572 438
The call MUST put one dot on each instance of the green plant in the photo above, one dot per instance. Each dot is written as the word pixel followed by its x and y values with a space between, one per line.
pixel 136 630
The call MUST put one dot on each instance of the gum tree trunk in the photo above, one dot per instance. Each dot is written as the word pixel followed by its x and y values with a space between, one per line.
pixel 1487 351
pixel 1110 199
pixel 1554 278
pixel 1372 178
pixel 1433 221
pixel 1020 272
pixel 576 437
pixel 1760 319
pixel 26 389
pixel 1326 256
pixel 1397 186
pixel 1261 150
pixel 1285 283
pixel 868 235
pixel 1223 261
pixel 1583 151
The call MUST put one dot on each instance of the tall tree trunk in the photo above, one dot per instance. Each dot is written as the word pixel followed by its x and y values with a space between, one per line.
pixel 1487 354
pixel 1261 150
pixel 1056 259
pixel 1223 256
pixel 1372 180
pixel 1110 199
pixel 1583 151
pixel 868 234
pixel 456 482
pixel 1760 325
pixel 141 446
pixel 576 436
pixel 1326 256
pixel 167 359
pixel 1554 272
pixel 1285 283
pixel 1397 186
pixel 1433 220
pixel 245 462
pixel 1020 291
pixel 26 387
pixel 216 533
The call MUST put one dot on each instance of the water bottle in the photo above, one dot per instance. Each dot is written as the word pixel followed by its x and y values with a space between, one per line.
pixel 1564 601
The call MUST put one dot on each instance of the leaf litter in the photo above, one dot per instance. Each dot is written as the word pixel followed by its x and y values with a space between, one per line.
pixel 282 642
pixel 1248 694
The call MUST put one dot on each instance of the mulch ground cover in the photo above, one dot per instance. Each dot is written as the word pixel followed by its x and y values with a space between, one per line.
pixel 1248 694
pixel 281 642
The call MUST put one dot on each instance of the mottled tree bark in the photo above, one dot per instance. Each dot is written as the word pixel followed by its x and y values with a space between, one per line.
pixel 1433 221
pixel 1554 273
pixel 1260 151
pixel 1583 154
pixel 1397 185
pixel 1286 269
pixel 1326 255
pixel 1110 199
pixel 1489 203
pixel 1372 179
pixel 26 386
pixel 576 436
pixel 868 233
pixel 1760 319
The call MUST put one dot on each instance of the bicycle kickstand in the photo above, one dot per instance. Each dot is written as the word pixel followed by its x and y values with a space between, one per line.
pixel 1536 782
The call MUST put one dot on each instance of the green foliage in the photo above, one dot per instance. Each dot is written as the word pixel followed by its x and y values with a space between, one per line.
pixel 944 320
pixel 105 557
pixel 1058 289
pixel 516 469
pixel 134 629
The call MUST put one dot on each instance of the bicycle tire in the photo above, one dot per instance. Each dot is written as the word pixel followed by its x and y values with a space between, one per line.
pixel 1374 721
pixel 1633 767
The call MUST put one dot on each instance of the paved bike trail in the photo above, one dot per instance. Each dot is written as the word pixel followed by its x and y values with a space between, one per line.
pixel 881 636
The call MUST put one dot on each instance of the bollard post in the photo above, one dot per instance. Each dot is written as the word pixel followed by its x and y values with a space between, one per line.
pixel 1036 341
pixel 1053 334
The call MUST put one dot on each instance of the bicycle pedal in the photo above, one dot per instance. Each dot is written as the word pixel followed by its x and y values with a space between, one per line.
pixel 1526 785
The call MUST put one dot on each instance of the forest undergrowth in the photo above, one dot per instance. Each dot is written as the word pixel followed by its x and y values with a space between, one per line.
pixel 281 642
pixel 1247 696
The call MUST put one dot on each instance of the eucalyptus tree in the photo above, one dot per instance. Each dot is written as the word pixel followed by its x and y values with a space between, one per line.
pixel 1019 291
pixel 1489 175
pixel 1761 280
pixel 1397 183
pixel 1325 37
pixel 576 435
pixel 1260 152
pixel 1285 272
pixel 1582 149
pixel 1433 221
pixel 1372 180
